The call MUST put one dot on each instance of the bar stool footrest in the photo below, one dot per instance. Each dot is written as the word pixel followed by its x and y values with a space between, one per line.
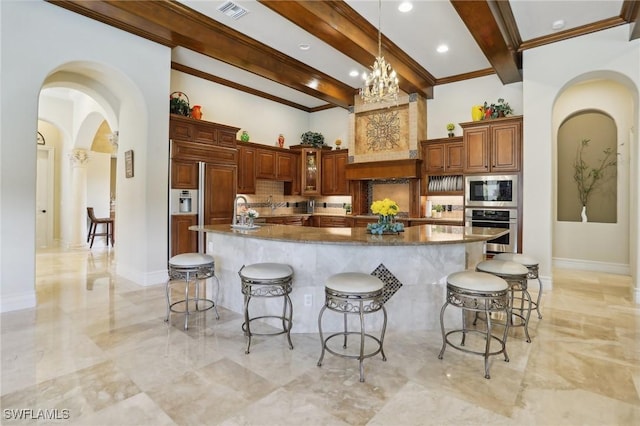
pixel 344 355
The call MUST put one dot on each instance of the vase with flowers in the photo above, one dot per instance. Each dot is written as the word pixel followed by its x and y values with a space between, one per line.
pixel 252 215
pixel 386 210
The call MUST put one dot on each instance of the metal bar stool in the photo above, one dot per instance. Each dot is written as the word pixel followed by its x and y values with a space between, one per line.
pixel 531 264
pixel 516 276
pixel 190 268
pixel 267 280
pixel 354 293
pixel 476 292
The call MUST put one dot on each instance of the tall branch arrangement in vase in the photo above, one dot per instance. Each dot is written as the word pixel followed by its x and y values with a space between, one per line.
pixel 589 178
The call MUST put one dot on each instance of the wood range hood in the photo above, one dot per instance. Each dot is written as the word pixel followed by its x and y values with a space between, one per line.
pixel 391 169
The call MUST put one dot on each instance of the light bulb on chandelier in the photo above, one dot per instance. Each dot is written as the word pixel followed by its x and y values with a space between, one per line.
pixel 381 84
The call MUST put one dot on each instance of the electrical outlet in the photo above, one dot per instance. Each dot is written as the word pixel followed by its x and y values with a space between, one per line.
pixel 308 300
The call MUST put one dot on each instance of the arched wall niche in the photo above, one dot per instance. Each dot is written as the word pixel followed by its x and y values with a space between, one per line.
pixel 586 149
pixel 605 246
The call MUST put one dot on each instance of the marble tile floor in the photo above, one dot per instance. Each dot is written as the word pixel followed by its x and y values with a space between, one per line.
pixel 97 351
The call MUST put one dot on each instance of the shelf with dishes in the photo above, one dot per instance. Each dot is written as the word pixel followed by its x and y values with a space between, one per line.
pixel 445 185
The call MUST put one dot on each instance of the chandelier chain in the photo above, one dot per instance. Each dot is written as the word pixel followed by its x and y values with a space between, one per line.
pixel 381 84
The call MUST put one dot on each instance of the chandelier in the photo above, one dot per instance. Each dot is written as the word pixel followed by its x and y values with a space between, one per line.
pixel 381 84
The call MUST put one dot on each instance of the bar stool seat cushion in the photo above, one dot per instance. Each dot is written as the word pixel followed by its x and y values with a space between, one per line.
pixel 266 271
pixel 477 281
pixel 522 259
pixel 190 259
pixel 354 282
pixel 502 267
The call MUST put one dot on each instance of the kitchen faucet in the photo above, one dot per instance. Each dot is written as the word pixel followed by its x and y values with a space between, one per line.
pixel 234 221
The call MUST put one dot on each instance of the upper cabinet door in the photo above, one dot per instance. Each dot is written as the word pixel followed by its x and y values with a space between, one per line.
pixel 246 170
pixel 476 150
pixel 265 164
pixel 505 147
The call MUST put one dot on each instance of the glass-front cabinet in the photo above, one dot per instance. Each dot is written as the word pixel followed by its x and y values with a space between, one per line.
pixel 311 177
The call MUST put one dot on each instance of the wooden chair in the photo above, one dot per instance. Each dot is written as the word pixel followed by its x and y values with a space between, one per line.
pixel 93 227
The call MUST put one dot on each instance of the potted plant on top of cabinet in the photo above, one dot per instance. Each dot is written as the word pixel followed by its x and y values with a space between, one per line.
pixel 312 138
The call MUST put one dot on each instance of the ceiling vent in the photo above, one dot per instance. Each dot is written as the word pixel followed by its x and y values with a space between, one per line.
pixel 233 10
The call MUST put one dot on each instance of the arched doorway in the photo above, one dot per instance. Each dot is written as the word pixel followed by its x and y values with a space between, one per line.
pixel 84 158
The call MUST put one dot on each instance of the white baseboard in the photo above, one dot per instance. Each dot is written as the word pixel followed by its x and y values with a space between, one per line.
pixel 15 302
pixel 142 278
pixel 591 265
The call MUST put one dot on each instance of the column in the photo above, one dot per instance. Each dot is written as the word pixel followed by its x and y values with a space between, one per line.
pixel 79 158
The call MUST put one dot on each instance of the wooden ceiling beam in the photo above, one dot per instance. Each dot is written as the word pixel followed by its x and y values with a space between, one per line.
pixel 492 25
pixel 630 13
pixel 173 24
pixel 337 24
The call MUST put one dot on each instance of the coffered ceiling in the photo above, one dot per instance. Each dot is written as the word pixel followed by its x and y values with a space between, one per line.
pixel 301 53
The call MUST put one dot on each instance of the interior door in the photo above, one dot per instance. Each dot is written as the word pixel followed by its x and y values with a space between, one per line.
pixel 44 197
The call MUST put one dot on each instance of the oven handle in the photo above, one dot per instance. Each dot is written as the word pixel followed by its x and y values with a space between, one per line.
pixel 492 221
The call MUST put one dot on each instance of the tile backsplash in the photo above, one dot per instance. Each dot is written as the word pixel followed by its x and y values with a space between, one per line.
pixel 291 204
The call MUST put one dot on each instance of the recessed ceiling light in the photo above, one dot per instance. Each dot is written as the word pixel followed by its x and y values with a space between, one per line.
pixel 304 46
pixel 354 73
pixel 442 48
pixel 405 6
pixel 558 25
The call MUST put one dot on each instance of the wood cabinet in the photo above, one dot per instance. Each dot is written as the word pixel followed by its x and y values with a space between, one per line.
pixel 493 146
pixel 183 240
pixel 285 166
pixel 203 157
pixel 310 171
pixel 334 173
pixel 184 174
pixel 443 156
pixel 287 220
pixel 265 164
pixel 275 164
pixel 246 170
pixel 362 222
pixel 187 129
pixel 332 221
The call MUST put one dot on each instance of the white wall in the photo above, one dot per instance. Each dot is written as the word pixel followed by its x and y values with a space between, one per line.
pixel 452 102
pixel 264 120
pixel 576 243
pixel 133 75
pixel 333 124
pixel 547 70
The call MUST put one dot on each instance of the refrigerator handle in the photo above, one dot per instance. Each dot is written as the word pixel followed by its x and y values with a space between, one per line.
pixel 201 190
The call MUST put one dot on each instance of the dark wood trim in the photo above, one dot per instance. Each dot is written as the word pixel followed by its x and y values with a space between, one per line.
pixel 228 83
pixel 174 24
pixel 338 25
pixel 486 29
pixel 466 76
pixel 630 13
pixel 391 169
pixel 573 32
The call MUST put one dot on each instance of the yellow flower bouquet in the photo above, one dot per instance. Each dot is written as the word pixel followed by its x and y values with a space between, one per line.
pixel 386 210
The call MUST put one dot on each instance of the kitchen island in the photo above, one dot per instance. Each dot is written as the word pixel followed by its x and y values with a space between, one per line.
pixel 414 263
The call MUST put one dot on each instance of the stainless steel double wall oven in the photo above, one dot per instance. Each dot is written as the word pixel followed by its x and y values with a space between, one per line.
pixel 491 201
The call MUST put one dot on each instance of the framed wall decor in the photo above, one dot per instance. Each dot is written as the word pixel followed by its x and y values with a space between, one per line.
pixel 40 139
pixel 128 163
